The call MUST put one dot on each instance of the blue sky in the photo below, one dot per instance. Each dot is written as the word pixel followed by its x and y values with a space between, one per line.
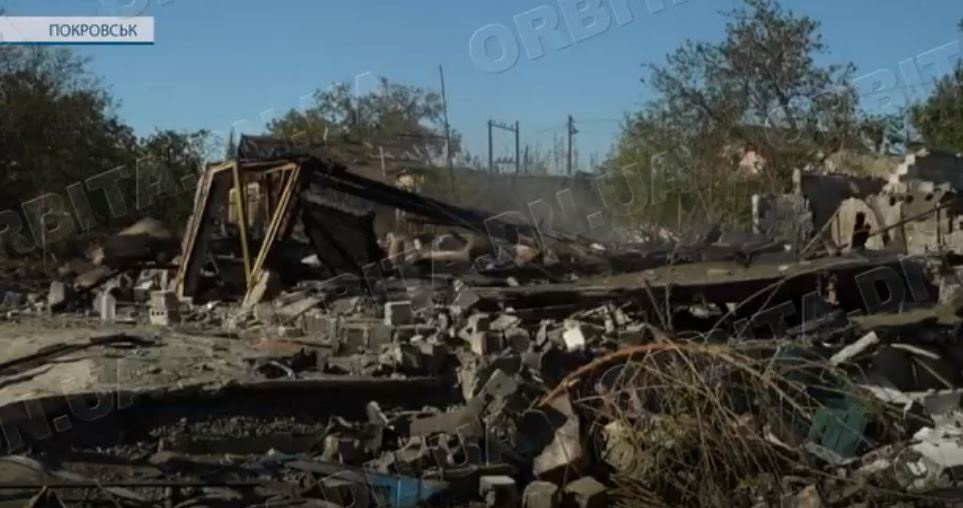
pixel 219 63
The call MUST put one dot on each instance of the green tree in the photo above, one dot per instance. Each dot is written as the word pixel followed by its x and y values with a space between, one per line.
pixel 168 168
pixel 939 120
pixel 407 119
pixel 58 124
pixel 59 127
pixel 883 132
pixel 757 91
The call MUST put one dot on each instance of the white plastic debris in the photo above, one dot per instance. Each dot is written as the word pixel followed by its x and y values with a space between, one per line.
pixel 850 351
pixel 939 450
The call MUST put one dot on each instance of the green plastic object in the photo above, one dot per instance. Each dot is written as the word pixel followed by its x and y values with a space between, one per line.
pixel 840 425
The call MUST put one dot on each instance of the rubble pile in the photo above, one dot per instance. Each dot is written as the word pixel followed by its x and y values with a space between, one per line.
pixel 547 413
pixel 479 363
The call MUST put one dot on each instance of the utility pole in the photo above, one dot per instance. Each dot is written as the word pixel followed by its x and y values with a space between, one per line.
pixel 571 133
pixel 518 159
pixel 906 133
pixel 492 125
pixel 43 231
pixel 444 103
pixel 491 148
pixel 526 160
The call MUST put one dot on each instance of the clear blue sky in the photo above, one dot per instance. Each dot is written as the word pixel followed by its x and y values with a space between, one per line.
pixel 217 62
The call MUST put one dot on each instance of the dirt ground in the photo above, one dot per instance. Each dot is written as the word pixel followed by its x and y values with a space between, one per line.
pixel 178 359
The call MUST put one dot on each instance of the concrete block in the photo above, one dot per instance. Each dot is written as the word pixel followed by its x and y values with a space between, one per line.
pixel 163 308
pixel 161 317
pixel 399 313
pixel 479 323
pixel 465 422
pixel 505 321
pixel 485 343
pixel 532 360
pixel 587 492
pixel 143 290
pixel 465 297
pixel 57 295
pixel 565 453
pixel 379 334
pixel 346 450
pixel 500 385
pixel 474 324
pixel 498 491
pixel 341 492
pixel 107 307
pixel 510 363
pixel 539 494
pixel 319 324
pixel 518 339
pixel 574 338
pixel 163 300
pixel 351 340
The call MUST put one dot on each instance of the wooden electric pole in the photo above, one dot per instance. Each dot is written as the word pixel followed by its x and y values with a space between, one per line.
pixel 444 103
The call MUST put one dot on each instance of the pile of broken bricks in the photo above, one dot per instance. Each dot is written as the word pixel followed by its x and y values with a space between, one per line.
pixel 684 384
pixel 596 409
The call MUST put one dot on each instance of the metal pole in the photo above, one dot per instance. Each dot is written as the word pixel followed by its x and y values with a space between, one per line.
pixel 43 230
pixel 444 102
pixel 518 150
pixel 491 149
pixel 568 163
pixel 384 167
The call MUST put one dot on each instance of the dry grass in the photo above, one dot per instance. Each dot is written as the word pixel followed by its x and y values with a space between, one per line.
pixel 704 425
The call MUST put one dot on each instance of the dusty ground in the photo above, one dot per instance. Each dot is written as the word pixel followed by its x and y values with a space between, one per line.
pixel 179 359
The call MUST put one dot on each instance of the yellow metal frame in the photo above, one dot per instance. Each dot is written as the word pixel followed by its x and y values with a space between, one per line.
pixel 201 198
pixel 240 175
pixel 242 222
pixel 292 172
